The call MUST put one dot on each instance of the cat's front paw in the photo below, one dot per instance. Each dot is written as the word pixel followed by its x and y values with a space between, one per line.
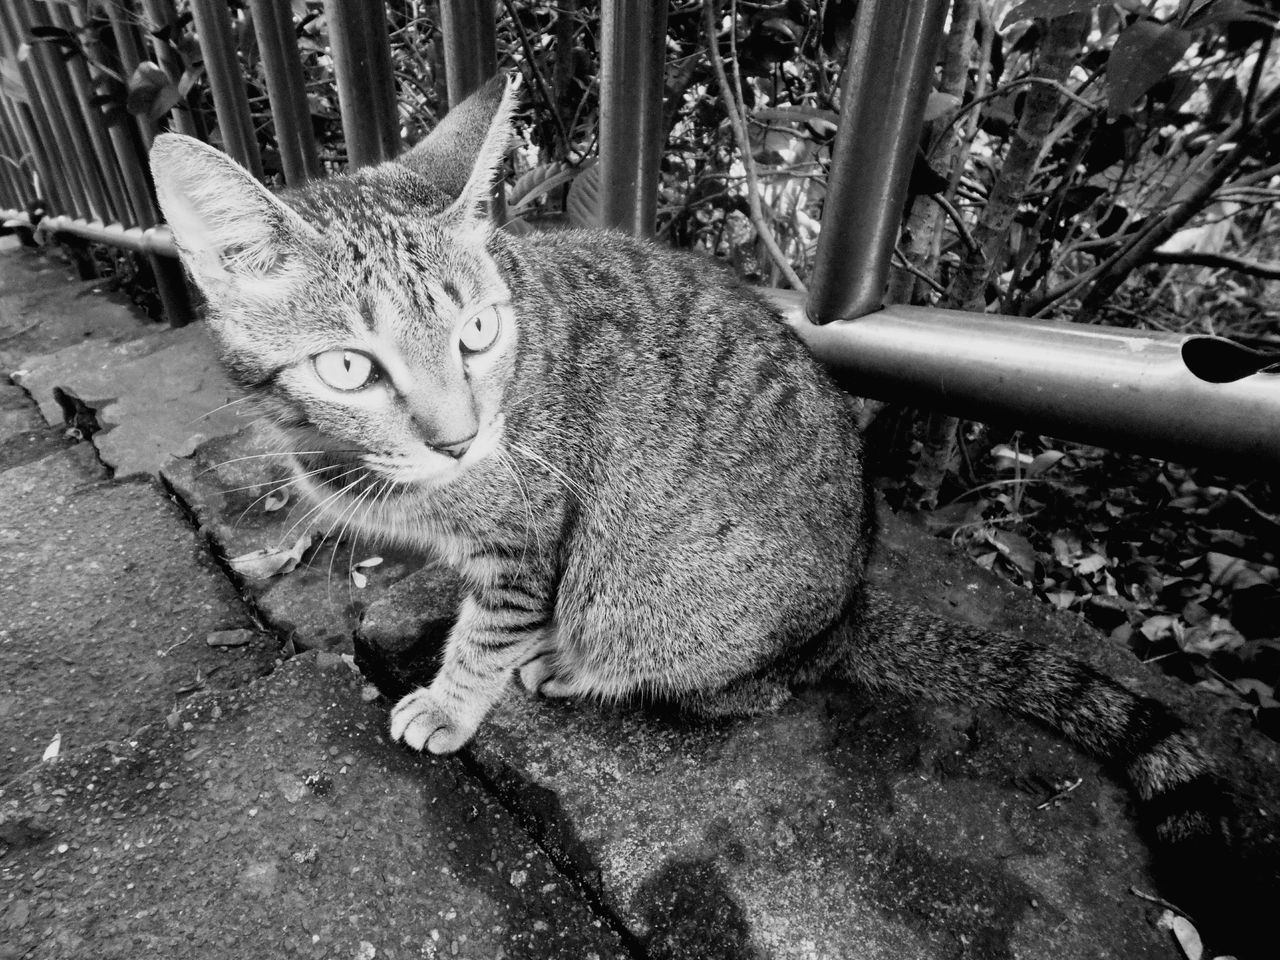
pixel 422 719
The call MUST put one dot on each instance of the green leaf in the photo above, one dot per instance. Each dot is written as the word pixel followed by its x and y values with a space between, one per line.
pixel 1047 10
pixel 538 181
pixel 1143 55
pixel 583 202
pixel 151 92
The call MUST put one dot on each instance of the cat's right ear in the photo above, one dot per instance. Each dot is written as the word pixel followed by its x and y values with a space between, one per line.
pixel 463 155
pixel 231 232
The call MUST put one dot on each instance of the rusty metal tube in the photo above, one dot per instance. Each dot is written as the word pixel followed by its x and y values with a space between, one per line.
pixel 632 62
pixel 885 86
pixel 222 65
pixel 273 25
pixel 1129 389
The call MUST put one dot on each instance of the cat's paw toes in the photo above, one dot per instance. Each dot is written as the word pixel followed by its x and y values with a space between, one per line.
pixel 421 720
pixel 539 676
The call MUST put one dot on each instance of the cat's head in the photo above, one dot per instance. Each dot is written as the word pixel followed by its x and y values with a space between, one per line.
pixel 365 311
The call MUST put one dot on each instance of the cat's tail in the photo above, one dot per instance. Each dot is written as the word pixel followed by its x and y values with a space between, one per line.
pixel 1181 798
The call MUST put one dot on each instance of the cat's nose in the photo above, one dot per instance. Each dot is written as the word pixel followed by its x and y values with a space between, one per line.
pixel 456 449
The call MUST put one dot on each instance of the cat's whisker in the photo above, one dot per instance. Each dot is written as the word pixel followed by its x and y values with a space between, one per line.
pixel 347 517
pixel 529 527
pixel 268 456
pixel 320 507
pixel 222 406
pixel 283 485
pixel 570 484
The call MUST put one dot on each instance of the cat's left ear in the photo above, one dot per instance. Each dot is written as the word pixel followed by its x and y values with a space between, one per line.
pixel 230 230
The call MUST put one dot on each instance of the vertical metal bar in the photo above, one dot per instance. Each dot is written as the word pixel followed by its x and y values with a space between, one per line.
pixel 273 24
pixel 632 61
pixel 226 82
pixel 885 85
pixel 161 14
pixel 470 45
pixel 11 177
pixel 94 122
pixel 382 81
pixel 356 27
pixel 52 185
pixel 469 34
pixel 59 92
pixel 129 47
pixel 45 114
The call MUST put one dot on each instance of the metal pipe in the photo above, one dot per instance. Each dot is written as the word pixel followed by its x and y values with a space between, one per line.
pixel 632 60
pixel 885 85
pixel 156 240
pixel 104 150
pixel 162 14
pixel 129 47
pixel 52 188
pixel 78 142
pixel 273 25
pixel 354 27
pixel 11 178
pixel 469 36
pixel 131 144
pixel 470 46
pixel 1129 389
pixel 222 66
pixel 45 111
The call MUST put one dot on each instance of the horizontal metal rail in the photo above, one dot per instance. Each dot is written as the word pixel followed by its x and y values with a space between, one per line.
pixel 157 240
pixel 1128 389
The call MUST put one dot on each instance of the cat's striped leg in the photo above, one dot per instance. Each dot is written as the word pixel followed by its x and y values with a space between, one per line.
pixel 492 637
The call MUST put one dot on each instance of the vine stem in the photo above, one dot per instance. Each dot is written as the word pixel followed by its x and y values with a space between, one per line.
pixel 733 103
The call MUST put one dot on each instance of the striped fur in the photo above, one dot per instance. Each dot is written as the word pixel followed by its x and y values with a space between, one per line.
pixel 664 496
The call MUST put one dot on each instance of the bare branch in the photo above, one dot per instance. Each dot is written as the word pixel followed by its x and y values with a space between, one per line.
pixel 733 105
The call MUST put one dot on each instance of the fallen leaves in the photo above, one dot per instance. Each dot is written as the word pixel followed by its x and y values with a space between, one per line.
pixel 271 561
pixel 1179 564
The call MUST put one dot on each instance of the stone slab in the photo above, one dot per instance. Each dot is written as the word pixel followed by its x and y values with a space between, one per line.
pixel 842 827
pixel 231 485
pixel 156 397
pixel 44 308
pixel 276 821
pixel 108 597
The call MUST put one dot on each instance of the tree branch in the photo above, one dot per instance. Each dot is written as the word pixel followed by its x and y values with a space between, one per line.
pixel 1224 261
pixel 733 106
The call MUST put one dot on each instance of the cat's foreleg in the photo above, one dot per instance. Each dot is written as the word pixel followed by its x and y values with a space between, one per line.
pixel 486 645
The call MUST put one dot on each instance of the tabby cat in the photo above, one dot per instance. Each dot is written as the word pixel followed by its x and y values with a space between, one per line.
pixel 647 483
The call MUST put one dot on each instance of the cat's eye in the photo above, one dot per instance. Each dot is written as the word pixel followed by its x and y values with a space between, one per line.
pixel 480 331
pixel 345 369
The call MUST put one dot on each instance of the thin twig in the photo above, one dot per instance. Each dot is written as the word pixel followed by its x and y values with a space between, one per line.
pixel 732 104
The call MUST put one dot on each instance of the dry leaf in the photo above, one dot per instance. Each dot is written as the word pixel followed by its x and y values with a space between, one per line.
pixel 359 579
pixel 276 499
pixel 54 748
pixel 371 562
pixel 270 561
pixel 1185 932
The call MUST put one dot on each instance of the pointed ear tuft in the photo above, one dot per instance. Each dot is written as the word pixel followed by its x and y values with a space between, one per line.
pixel 228 227
pixel 464 153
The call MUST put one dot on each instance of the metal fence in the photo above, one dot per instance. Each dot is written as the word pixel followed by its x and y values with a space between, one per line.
pixel 1117 387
